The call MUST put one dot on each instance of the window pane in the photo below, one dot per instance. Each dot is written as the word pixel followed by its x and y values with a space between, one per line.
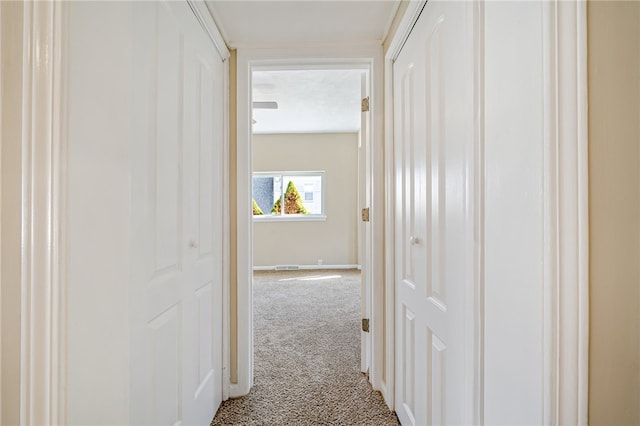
pixel 308 192
pixel 264 193
pixel 311 198
pixel 277 194
pixel 302 194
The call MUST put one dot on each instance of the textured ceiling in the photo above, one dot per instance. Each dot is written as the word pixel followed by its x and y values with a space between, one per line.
pixel 309 101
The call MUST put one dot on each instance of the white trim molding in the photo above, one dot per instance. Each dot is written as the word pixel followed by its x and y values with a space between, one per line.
pixel 388 383
pixel 1 119
pixel 406 24
pixel 566 213
pixel 477 322
pixel 205 18
pixel 42 255
pixel 226 247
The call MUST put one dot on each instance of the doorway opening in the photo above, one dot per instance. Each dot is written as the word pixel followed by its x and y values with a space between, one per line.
pixel 249 62
pixel 367 61
pixel 309 183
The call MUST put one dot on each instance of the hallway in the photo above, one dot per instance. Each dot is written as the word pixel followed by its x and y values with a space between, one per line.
pixel 499 230
pixel 307 354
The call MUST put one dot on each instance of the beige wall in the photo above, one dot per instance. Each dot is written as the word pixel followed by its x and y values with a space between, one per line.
pixel 614 173
pixel 303 243
pixel 10 225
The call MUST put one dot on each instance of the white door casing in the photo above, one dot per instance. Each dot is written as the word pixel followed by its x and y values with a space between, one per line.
pixel 177 215
pixel 33 188
pixel 364 231
pixel 536 213
pixel 365 56
pixel 435 140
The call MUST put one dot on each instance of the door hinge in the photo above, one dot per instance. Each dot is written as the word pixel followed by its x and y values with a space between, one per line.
pixel 365 104
pixel 365 325
pixel 365 215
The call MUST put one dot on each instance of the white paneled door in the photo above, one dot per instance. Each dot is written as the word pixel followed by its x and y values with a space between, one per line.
pixel 434 155
pixel 177 203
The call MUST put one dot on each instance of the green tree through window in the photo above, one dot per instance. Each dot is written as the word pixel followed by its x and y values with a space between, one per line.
pixel 256 209
pixel 292 195
pixel 292 202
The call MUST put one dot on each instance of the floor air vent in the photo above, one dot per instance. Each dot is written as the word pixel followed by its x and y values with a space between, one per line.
pixel 287 267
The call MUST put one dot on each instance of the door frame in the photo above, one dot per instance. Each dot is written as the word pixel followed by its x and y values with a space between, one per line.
pixel 205 19
pixel 566 240
pixel 330 55
pixel 405 25
pixel 39 178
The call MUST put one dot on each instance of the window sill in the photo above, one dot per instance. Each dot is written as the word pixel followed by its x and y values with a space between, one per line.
pixel 290 218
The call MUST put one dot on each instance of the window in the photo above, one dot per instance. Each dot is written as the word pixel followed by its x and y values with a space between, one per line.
pixel 308 191
pixel 288 196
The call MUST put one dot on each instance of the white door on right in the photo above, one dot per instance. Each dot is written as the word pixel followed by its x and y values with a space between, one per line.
pixel 434 137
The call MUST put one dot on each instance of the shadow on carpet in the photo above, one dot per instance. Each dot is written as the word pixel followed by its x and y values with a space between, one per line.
pixel 307 355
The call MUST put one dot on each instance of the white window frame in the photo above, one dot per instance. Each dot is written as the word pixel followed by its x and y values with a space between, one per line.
pixel 282 217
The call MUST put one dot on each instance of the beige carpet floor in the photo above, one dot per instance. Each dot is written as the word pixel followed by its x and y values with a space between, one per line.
pixel 307 355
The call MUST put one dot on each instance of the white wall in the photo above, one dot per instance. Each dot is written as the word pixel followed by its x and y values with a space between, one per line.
pixel 303 243
pixel 99 137
pixel 513 249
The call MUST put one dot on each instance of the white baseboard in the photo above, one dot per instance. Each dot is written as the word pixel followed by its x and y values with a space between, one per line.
pixel 303 267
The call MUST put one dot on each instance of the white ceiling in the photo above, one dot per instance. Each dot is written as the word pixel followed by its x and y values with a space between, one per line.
pixel 310 101
pixel 264 22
